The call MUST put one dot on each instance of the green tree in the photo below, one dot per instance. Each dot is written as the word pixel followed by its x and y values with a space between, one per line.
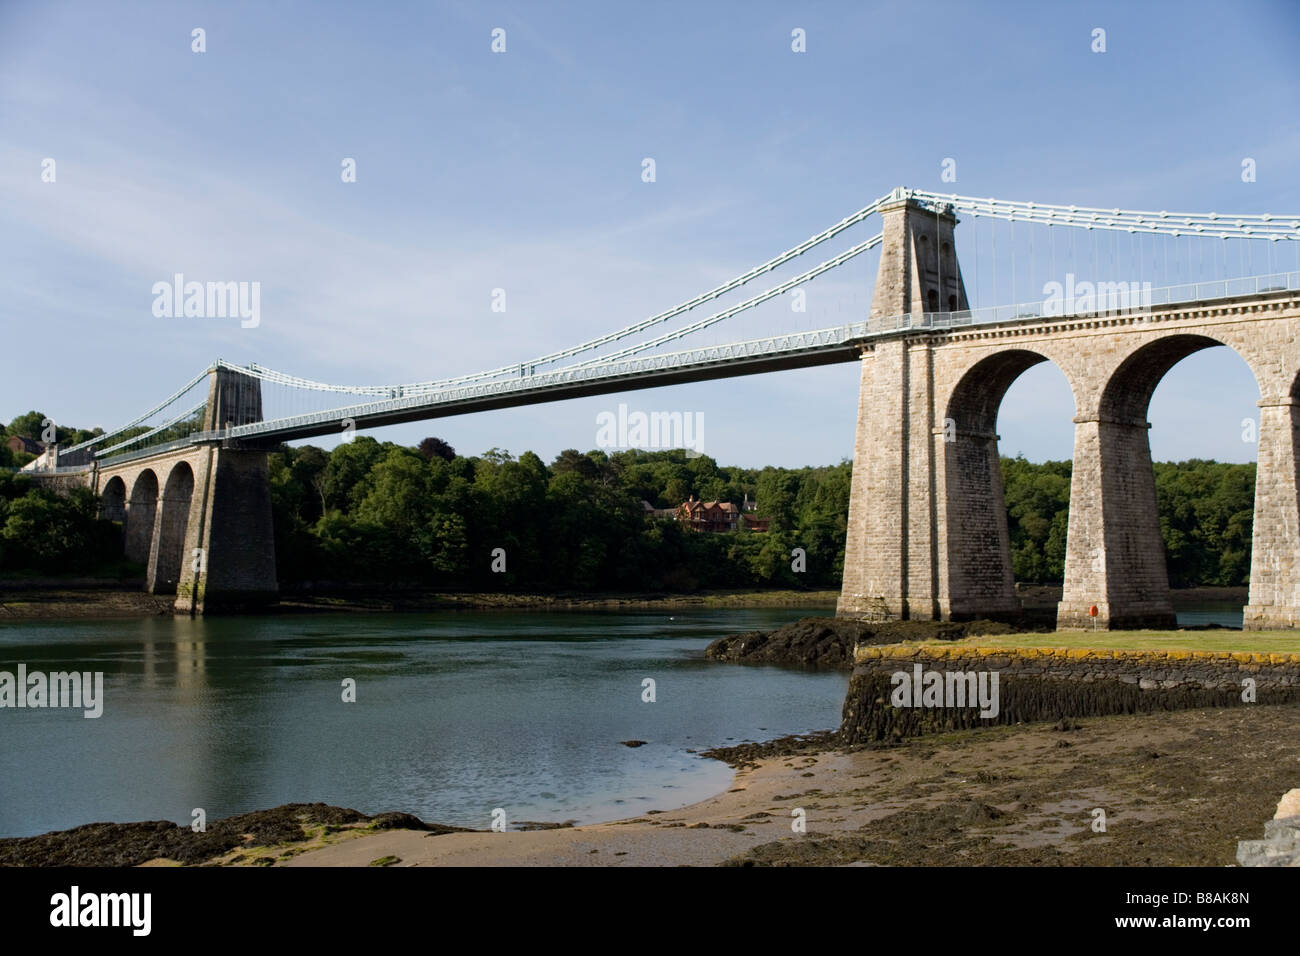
pixel 28 425
pixel 349 464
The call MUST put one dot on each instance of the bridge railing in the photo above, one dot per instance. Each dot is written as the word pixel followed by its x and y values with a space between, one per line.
pixel 58 470
pixel 159 449
pixel 1102 299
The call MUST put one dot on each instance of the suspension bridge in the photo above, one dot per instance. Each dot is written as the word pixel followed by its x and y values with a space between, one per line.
pixel 1129 294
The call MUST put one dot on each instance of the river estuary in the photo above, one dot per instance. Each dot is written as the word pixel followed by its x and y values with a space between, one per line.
pixel 456 714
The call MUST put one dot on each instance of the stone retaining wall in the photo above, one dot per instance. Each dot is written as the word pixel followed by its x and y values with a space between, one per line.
pixel 1054 683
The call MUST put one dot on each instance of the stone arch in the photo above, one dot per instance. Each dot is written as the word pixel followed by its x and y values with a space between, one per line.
pixel 138 532
pixel 112 500
pixel 1126 395
pixel 975 543
pixel 1115 557
pixel 168 551
pixel 974 402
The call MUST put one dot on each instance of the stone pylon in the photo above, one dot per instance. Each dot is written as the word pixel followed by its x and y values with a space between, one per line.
pixel 896 561
pixel 229 555
pixel 1275 554
pixel 918 260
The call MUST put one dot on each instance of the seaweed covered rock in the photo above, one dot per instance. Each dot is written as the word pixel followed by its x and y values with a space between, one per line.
pixel 130 844
pixel 829 641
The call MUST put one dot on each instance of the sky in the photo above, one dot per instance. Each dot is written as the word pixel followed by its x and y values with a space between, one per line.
pixel 522 170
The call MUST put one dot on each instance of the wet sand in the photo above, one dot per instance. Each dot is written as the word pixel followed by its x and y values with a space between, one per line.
pixel 27 604
pixel 1177 789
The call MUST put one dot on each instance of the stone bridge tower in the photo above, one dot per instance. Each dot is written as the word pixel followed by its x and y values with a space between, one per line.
pixel 893 563
pixel 229 554
pixel 918 260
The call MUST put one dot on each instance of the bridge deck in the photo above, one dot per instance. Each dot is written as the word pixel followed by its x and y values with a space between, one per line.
pixel 758 356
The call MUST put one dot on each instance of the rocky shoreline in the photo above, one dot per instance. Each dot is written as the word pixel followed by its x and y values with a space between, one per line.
pixel 290 828
pixel 37 600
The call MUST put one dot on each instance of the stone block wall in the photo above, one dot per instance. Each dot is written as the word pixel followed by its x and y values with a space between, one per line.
pixel 1036 684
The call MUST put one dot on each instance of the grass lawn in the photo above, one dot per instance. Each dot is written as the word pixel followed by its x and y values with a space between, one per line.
pixel 1266 642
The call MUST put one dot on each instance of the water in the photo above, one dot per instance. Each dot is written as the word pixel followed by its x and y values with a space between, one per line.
pixel 1222 613
pixel 456 713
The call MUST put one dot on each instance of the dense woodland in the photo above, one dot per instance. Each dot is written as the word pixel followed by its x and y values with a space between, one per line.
pixel 372 512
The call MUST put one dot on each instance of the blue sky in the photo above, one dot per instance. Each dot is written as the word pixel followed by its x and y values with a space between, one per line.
pixel 522 171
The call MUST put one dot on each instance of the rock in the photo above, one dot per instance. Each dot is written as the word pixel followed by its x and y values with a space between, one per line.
pixel 1283 827
pixel 130 844
pixel 633 743
pixel 398 821
pixel 745 755
pixel 829 641
pixel 530 825
pixel 1281 843
pixel 1283 833
pixel 1266 853
pixel 976 812
pixel 1289 805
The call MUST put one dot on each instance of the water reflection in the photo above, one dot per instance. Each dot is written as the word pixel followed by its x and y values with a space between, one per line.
pixel 456 714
